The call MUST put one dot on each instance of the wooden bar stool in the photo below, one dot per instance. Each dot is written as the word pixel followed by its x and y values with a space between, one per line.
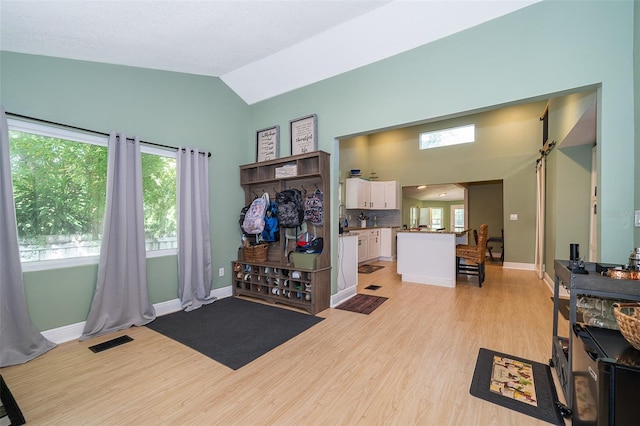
pixel 474 256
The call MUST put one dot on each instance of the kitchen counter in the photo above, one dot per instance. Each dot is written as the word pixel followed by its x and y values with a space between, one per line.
pixel 356 228
pixel 429 257
pixel 444 231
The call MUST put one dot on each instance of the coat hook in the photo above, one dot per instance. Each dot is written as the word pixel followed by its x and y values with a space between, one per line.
pixel 303 189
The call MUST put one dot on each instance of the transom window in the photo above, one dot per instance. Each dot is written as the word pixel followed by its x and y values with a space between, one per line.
pixel 59 184
pixel 447 137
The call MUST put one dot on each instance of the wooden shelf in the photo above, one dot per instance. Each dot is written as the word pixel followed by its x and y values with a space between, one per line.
pixel 312 173
pixel 302 288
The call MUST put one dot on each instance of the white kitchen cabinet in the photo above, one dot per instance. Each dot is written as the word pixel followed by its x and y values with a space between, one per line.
pixel 388 243
pixel 374 195
pixel 373 245
pixel 385 195
pixel 363 247
pixel 358 193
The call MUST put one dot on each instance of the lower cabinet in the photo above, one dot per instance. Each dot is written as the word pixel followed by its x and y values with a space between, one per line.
pixel 363 247
pixel 368 244
pixel 306 289
pixel 388 243
pixel 373 244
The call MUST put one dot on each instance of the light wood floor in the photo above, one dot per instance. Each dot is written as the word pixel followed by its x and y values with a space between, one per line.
pixel 410 362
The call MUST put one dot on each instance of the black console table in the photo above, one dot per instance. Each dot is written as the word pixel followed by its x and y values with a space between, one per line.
pixel 589 284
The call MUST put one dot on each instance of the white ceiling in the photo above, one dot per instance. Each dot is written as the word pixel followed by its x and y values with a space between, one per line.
pixel 259 48
pixel 436 192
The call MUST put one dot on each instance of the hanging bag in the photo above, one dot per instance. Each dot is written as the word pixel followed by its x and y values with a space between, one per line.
pixel 313 211
pixel 290 209
pixel 271 230
pixel 254 217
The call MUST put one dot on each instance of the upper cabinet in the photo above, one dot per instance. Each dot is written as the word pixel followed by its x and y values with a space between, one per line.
pixel 374 195
pixel 358 193
pixel 385 195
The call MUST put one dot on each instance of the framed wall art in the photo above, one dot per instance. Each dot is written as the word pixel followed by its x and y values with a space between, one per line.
pixel 267 143
pixel 304 134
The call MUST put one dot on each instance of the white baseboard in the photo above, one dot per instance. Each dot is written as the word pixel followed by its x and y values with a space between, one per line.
pixel 343 295
pixel 519 266
pixel 65 333
pixel 563 293
pixel 70 332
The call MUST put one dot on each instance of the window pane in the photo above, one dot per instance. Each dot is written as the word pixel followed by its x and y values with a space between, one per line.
pixel 447 137
pixel 159 187
pixel 424 216
pixel 413 217
pixel 60 194
pixel 59 190
pixel 458 218
pixel 436 218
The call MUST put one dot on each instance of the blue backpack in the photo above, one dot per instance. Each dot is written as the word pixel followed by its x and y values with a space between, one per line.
pixel 271 230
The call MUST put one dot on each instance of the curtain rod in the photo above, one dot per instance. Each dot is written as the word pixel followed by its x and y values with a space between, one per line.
pixel 81 129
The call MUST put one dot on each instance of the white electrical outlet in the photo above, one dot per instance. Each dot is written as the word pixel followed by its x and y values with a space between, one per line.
pixel 221 272
pixel 637 214
pixel 513 216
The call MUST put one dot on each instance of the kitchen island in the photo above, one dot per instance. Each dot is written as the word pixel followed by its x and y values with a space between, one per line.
pixel 429 257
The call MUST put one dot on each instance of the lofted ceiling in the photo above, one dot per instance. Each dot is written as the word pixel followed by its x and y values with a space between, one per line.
pixel 260 48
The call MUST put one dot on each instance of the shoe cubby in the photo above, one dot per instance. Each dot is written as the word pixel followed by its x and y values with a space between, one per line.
pixel 301 288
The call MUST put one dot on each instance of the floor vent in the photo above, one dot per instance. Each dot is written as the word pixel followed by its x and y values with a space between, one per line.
pixel 372 287
pixel 110 344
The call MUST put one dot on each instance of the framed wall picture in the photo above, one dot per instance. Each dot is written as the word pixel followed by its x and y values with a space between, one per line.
pixel 267 143
pixel 304 134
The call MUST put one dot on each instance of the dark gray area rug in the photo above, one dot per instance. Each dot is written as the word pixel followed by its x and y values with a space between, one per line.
pixel 508 385
pixel 234 331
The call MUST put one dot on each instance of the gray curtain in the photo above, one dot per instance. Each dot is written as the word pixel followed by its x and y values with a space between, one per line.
pixel 19 339
pixel 194 246
pixel 121 298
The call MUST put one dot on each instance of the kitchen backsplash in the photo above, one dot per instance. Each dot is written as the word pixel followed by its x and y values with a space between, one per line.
pixel 384 218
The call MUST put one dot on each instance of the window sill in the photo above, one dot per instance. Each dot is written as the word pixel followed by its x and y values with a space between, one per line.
pixel 46 265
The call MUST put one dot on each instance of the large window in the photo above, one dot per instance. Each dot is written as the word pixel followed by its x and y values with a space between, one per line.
pixel 447 137
pixel 59 183
pixel 426 217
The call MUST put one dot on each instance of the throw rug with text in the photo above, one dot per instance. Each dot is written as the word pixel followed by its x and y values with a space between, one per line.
pixel 518 384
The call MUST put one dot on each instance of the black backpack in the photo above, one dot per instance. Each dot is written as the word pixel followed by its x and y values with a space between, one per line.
pixel 290 208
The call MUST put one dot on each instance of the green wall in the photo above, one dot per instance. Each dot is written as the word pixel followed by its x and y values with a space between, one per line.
pixel 545 50
pixel 486 206
pixel 163 107
pixel 542 51
pixel 569 182
pixel 507 144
